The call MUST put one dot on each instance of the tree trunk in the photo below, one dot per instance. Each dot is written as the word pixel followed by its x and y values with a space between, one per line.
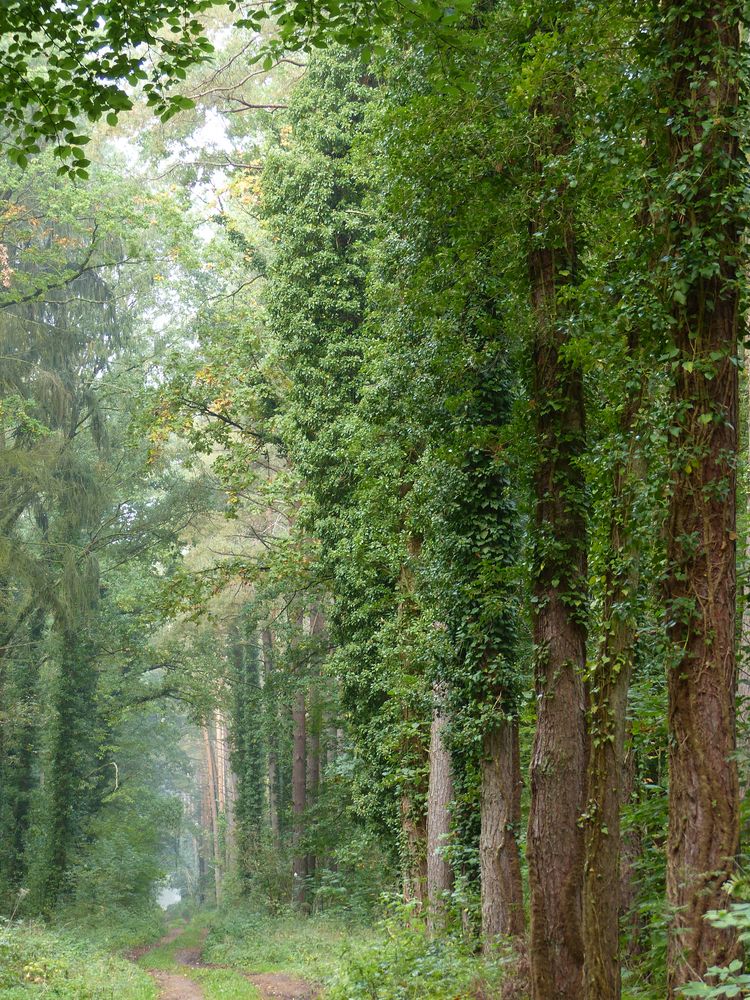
pixel 273 764
pixel 299 802
pixel 414 852
pixel 499 857
pixel 313 766
pixel 632 850
pixel 213 813
pixel 609 684
pixel 555 837
pixel 702 64
pixel 743 666
pixel 439 799
pixel 414 848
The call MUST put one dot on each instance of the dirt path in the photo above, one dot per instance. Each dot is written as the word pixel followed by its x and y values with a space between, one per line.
pixel 173 987
pixel 270 985
pixel 277 986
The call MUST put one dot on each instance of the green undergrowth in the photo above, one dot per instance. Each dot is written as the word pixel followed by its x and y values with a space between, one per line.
pixel 387 960
pixel 217 984
pixel 119 931
pixel 309 948
pixel 403 963
pixel 36 962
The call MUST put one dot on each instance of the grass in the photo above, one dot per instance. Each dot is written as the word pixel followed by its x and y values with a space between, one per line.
pixel 311 949
pixel 57 965
pixel 217 984
pixel 389 959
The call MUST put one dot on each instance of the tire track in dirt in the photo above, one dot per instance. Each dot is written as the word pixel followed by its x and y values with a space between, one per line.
pixel 171 986
pixel 270 985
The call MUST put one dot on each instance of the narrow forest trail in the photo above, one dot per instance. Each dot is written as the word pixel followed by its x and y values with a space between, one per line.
pixel 182 948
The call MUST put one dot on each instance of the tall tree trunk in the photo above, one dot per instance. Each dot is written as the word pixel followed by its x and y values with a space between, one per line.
pixel 225 786
pixel 299 800
pixel 555 836
pixel 609 684
pixel 414 852
pixel 703 60
pixel 72 757
pixel 499 857
pixel 273 798
pixel 213 812
pixel 439 799
pixel 312 776
pixel 273 762
pixel 743 665
pixel 631 852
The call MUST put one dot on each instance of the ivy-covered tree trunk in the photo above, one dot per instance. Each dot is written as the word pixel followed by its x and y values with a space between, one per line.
pixel 609 681
pixel 272 709
pixel 299 800
pixel 499 857
pixel 555 836
pixel 414 834
pixel 312 765
pixel 706 216
pixel 19 749
pixel 71 766
pixel 247 744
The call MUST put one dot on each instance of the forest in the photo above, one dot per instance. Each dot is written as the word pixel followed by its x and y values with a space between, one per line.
pixel 374 500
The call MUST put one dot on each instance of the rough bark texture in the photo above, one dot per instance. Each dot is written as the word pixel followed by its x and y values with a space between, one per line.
pixel 743 666
pixel 702 45
pixel 439 798
pixel 609 683
pixel 299 861
pixel 499 857
pixel 558 764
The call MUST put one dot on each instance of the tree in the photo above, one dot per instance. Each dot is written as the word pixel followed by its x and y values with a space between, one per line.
pixel 704 220
pixel 62 63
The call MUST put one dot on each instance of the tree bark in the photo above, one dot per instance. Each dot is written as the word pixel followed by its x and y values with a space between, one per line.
pixel 439 798
pixel 558 764
pixel 702 64
pixel 299 801
pixel 743 665
pixel 499 857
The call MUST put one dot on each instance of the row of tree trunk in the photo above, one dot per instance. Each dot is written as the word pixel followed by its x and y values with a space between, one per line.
pixel 578 766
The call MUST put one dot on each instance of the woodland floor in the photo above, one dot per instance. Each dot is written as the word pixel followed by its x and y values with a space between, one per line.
pixel 176 964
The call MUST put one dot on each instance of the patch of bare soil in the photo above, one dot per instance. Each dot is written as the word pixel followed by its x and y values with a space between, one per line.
pixel 277 986
pixel 173 987
pixel 192 956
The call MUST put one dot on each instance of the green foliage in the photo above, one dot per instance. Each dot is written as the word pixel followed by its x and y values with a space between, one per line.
pixel 402 963
pixel 59 64
pixel 729 981
pixel 37 962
